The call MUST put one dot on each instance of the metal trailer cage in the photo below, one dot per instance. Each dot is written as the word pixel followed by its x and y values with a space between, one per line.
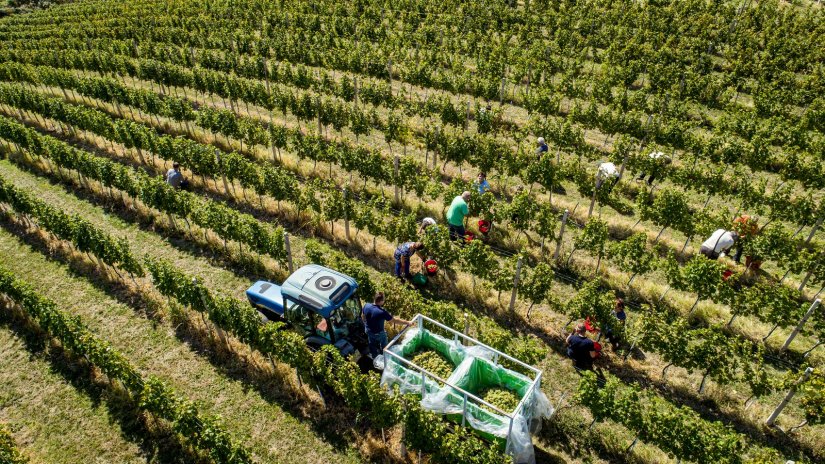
pixel 511 430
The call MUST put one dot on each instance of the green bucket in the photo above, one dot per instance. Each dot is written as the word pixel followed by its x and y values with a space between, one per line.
pixel 419 279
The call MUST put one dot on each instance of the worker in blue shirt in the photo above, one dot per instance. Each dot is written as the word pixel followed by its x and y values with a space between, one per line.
pixel 402 256
pixel 174 178
pixel 375 316
pixel 613 330
pixel 481 183
pixel 541 147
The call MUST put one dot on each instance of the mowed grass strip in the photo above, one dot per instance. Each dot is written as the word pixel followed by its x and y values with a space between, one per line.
pixel 143 241
pixel 266 428
pixel 58 416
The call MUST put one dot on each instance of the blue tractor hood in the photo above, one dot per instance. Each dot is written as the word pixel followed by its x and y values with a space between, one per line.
pixel 319 288
pixel 316 287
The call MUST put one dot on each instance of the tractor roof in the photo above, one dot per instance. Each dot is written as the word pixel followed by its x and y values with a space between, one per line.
pixel 319 288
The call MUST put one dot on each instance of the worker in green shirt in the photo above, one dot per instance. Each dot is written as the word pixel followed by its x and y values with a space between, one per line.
pixel 455 215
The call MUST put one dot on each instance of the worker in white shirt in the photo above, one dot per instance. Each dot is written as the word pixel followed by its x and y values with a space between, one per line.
pixel 607 173
pixel 719 242
pixel 426 223
pixel 660 161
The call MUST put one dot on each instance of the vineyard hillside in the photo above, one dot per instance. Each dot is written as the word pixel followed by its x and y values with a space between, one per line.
pixel 197 199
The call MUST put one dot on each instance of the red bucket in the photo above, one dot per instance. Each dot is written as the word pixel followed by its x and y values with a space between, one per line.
pixel 726 274
pixel 469 236
pixel 484 226
pixel 597 347
pixel 430 267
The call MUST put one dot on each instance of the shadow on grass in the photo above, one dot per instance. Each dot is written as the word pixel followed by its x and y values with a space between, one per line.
pixel 336 423
pixel 505 319
pixel 156 441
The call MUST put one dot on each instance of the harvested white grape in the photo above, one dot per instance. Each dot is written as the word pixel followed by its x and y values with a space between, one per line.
pixel 434 363
pixel 501 398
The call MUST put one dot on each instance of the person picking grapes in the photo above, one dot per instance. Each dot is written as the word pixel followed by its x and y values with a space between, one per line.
pixel 541 147
pixel 719 242
pixel 747 227
pixel 374 316
pixel 613 329
pixel 607 173
pixel 481 183
pixel 402 256
pixel 456 215
pixel 581 349
pixel 658 161
pixel 426 223
pixel 174 178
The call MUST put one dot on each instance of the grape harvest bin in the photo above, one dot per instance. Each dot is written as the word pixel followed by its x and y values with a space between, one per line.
pixel 476 366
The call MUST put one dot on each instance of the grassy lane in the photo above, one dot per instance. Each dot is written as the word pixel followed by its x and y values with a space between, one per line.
pixel 272 433
pixel 186 256
pixel 57 414
pixel 685 387
pixel 563 382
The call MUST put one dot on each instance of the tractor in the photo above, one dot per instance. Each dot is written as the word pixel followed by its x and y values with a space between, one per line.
pixel 318 303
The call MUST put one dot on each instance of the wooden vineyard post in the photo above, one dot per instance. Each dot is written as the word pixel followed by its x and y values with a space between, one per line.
pixel 814 229
pixel 805 280
pixel 223 174
pixel 355 88
pixel 346 215
pixel 266 76
pixel 389 74
pixel 435 147
pixel 593 199
pixel 621 169
pixel 466 323
pixel 802 322
pixel 288 250
pixel 403 447
pixel 791 392
pixel 561 234
pixel 320 126
pixel 395 173
pixel 501 91
pixel 529 67
pixel 515 284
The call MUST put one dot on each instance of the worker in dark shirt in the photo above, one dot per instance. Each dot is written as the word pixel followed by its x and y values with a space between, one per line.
pixel 613 330
pixel 375 316
pixel 581 349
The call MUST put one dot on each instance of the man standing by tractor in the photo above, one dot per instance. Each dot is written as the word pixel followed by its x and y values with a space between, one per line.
pixel 456 214
pixel 375 316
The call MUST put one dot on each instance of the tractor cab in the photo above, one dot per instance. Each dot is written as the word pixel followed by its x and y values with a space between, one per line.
pixel 318 303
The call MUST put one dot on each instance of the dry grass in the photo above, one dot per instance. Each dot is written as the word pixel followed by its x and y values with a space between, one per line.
pixel 58 415
pixel 266 419
pixel 649 286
